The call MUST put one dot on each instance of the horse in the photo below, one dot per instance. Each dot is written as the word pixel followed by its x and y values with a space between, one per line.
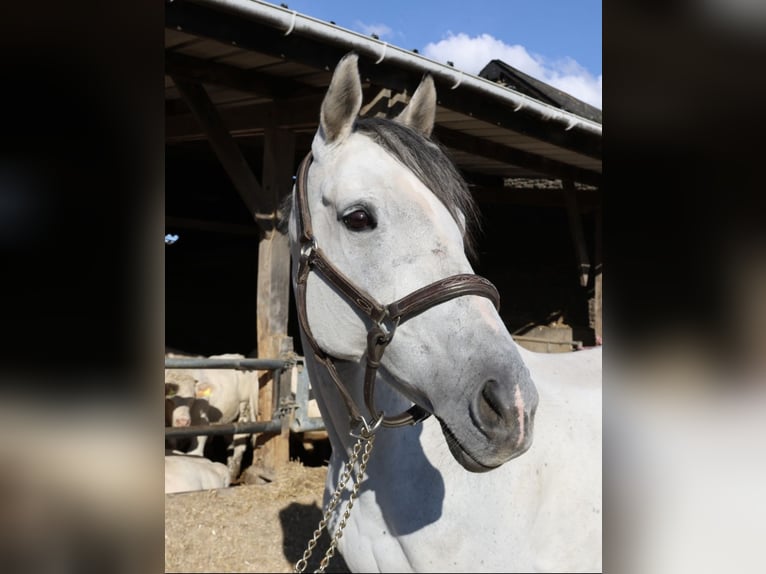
pixel 406 353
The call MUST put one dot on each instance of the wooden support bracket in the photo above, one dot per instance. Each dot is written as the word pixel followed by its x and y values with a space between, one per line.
pixel 223 144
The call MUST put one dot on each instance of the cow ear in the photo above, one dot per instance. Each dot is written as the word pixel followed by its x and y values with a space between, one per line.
pixel 203 390
pixel 420 113
pixel 342 101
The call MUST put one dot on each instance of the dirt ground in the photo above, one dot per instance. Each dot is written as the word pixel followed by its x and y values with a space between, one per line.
pixel 249 527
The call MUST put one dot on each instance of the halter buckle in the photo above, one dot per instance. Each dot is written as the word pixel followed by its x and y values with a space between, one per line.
pixel 385 326
pixel 308 249
pixel 378 338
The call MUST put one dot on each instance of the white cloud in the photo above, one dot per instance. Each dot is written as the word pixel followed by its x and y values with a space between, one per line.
pixel 472 54
pixel 380 30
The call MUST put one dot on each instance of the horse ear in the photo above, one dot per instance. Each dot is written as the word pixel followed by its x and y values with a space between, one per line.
pixel 420 113
pixel 342 101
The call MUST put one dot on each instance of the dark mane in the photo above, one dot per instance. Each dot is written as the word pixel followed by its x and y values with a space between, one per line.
pixel 427 160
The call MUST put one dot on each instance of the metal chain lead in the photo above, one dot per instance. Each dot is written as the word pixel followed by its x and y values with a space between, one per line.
pixel 349 505
pixel 300 566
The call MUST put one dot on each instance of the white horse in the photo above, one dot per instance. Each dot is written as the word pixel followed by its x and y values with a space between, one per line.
pixel 379 228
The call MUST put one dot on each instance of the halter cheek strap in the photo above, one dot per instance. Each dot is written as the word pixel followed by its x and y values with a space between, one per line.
pixel 384 318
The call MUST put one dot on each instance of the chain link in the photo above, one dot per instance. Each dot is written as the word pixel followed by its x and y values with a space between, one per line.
pixel 300 566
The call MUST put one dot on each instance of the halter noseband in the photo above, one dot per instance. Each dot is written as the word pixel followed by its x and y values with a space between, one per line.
pixel 385 318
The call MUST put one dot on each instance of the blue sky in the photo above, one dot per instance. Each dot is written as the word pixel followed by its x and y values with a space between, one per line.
pixel 556 41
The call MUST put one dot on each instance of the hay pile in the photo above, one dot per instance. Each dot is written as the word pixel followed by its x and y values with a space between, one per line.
pixel 248 527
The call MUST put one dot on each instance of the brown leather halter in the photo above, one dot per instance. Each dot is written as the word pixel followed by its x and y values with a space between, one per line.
pixel 385 318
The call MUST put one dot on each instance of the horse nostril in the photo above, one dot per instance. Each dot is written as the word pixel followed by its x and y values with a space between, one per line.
pixel 489 392
pixel 494 403
pixel 501 411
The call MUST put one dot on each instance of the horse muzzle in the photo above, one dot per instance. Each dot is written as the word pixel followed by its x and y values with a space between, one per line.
pixel 503 414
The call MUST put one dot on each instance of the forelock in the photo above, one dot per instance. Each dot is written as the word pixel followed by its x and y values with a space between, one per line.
pixel 430 164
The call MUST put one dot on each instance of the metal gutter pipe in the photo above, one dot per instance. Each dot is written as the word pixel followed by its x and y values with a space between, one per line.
pixel 293 22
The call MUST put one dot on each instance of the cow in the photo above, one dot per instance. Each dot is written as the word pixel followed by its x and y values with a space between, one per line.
pixel 183 408
pixel 211 396
pixel 185 473
pixel 229 395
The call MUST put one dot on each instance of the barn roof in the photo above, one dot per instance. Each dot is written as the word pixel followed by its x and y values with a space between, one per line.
pixel 244 82
pixel 507 75
pixel 264 65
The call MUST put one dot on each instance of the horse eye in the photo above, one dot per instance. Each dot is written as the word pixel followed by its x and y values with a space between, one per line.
pixel 358 220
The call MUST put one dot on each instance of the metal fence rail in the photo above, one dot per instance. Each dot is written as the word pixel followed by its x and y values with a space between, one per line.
pixel 226 428
pixel 238 364
pixel 300 423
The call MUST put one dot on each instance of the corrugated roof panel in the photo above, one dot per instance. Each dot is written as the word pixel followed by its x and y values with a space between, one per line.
pixel 205 49
pixel 249 101
pixel 447 115
pixel 462 122
pixel 223 96
pixel 514 140
pixel 248 60
pixel 288 69
pixel 316 79
pixel 488 132
pixel 175 38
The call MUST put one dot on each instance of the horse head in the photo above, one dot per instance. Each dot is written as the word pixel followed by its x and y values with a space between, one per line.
pixel 389 213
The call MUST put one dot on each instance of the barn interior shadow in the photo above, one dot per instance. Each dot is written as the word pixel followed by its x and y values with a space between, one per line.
pixel 298 524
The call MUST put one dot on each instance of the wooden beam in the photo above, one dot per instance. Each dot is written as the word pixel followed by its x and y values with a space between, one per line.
pixel 294 114
pixel 274 290
pixel 471 144
pixel 575 226
pixel 303 114
pixel 222 143
pixel 385 104
pixel 197 71
pixel 251 142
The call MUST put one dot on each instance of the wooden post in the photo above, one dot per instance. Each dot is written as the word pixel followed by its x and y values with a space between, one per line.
pixel 597 326
pixel 273 451
pixel 273 290
pixel 575 226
